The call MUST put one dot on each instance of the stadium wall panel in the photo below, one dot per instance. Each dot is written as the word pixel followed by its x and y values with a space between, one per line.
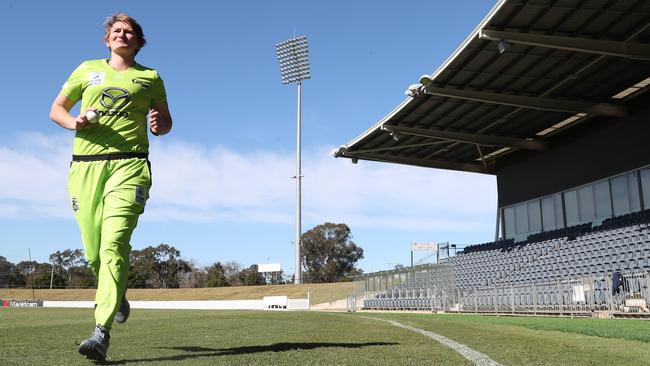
pixel 620 146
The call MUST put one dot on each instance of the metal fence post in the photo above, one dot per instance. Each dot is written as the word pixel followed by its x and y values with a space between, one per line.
pixel 610 296
pixel 560 297
pixel 535 299
pixel 512 293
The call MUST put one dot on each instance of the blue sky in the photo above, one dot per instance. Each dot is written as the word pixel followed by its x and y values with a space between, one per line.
pixel 222 179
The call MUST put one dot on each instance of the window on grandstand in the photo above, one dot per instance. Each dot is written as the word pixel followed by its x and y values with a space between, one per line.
pixel 534 217
pixel 602 200
pixel 509 222
pixel 552 213
pixel 645 186
pixel 593 203
pixel 586 200
pixel 571 208
pixel 620 195
pixel 521 222
pixel 633 186
pixel 559 211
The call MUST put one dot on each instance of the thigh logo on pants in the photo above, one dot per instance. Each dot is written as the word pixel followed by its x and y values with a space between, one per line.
pixel 75 204
pixel 140 194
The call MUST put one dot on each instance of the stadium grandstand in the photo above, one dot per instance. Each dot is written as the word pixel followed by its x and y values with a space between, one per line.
pixel 550 96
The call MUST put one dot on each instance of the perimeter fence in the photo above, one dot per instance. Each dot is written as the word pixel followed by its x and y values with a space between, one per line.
pixel 432 288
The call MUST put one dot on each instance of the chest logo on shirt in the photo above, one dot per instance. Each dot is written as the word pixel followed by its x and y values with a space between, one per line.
pixel 114 98
pixel 143 82
pixel 96 78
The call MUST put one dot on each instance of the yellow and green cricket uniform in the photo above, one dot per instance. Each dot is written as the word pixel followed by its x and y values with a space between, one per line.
pixel 110 175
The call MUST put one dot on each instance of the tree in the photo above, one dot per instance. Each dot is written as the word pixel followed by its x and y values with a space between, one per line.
pixel 250 276
pixel 155 267
pixel 329 254
pixel 9 274
pixel 69 258
pixel 142 268
pixel 38 275
pixel 26 271
pixel 232 271
pixel 74 266
pixel 43 275
pixel 195 278
pixel 169 266
pixel 216 276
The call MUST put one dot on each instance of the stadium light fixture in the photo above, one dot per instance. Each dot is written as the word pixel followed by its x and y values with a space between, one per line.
pixel 294 68
pixel 503 46
pixel 426 80
pixel 414 90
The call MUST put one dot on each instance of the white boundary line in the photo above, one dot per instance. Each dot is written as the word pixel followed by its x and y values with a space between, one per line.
pixel 476 357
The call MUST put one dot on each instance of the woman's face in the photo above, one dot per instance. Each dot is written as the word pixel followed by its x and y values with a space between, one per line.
pixel 122 38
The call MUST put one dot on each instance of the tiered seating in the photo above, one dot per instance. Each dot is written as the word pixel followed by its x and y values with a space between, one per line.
pixel 631 219
pixel 486 268
pixel 621 243
pixel 594 254
pixel 501 244
pixel 569 232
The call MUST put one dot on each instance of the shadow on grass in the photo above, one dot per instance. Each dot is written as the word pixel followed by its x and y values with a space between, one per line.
pixel 198 352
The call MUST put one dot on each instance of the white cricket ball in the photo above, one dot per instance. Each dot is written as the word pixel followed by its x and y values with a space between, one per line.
pixel 91 116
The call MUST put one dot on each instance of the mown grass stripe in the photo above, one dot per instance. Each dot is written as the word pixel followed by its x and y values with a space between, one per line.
pixel 474 356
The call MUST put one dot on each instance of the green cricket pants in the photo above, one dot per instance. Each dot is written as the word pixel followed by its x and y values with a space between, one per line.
pixel 107 198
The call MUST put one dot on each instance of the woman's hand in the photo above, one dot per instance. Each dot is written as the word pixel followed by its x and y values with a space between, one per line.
pixel 160 121
pixel 82 120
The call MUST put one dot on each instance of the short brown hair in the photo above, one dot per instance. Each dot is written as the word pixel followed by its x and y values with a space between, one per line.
pixel 126 18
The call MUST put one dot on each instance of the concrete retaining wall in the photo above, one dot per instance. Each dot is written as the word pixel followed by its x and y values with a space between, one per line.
pixel 296 304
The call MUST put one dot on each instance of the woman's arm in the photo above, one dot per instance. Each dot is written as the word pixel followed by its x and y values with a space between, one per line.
pixel 59 113
pixel 160 120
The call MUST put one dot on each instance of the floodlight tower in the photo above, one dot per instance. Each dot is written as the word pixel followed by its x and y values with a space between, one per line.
pixel 294 67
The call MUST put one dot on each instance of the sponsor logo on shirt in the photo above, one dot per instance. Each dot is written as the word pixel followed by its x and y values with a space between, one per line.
pixel 115 98
pixel 142 82
pixel 96 78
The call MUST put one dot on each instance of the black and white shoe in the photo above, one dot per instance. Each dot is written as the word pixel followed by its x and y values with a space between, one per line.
pixel 125 310
pixel 96 347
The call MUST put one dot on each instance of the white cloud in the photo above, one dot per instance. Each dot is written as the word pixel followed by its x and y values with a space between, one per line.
pixel 34 176
pixel 195 183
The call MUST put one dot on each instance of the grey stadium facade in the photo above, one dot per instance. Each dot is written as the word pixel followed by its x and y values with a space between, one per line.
pixel 551 98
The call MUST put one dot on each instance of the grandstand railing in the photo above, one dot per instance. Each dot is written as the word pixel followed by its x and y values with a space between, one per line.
pixel 572 297
pixel 566 271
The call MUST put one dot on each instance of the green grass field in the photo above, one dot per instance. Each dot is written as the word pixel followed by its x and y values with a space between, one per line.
pixel 44 336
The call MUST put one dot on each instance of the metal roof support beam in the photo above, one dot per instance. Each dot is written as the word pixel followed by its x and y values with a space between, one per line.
pixel 544 104
pixel 470 138
pixel 400 147
pixel 639 51
pixel 426 163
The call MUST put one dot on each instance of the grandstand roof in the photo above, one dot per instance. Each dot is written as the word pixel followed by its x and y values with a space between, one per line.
pixel 529 72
